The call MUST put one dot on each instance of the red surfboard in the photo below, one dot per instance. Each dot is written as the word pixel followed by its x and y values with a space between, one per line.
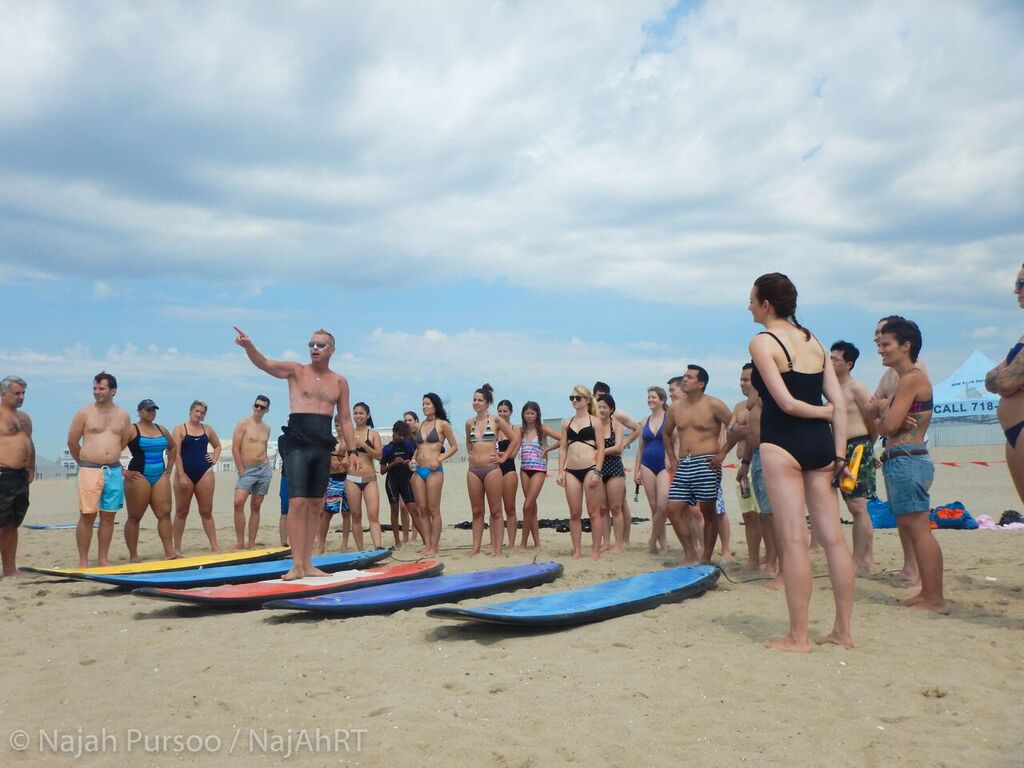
pixel 254 594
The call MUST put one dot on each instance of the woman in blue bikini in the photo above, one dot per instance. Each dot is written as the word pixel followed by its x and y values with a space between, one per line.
pixel 148 480
pixel 650 468
pixel 1007 381
pixel 434 432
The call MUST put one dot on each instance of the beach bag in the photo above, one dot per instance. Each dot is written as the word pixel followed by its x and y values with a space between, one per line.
pixel 881 515
pixel 952 516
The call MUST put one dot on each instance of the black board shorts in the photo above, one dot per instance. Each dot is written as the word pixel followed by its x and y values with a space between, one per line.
pixel 13 496
pixel 305 449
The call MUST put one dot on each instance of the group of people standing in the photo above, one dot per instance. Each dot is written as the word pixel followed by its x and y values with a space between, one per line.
pixel 803 419
pixel 101 431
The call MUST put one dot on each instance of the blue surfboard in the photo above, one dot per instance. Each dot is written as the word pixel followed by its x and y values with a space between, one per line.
pixel 592 603
pixel 412 594
pixel 236 574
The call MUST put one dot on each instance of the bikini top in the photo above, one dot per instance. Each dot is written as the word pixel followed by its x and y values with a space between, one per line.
pixel 487 437
pixel 920 406
pixel 360 448
pixel 431 438
pixel 587 436
pixel 1013 351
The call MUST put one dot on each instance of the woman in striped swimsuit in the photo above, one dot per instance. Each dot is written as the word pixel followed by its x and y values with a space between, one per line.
pixel 484 476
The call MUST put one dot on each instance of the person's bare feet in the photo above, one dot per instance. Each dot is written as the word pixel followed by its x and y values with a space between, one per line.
pixel 905 577
pixel 920 603
pixel 789 644
pixel 292 575
pixel 135 559
pixel 836 638
pixel 472 553
pixel 617 549
pixel 775 583
pixel 15 574
pixel 595 554
pixel 863 569
pixel 750 569
pixel 314 572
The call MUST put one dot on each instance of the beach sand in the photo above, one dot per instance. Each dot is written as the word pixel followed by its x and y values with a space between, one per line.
pixel 137 681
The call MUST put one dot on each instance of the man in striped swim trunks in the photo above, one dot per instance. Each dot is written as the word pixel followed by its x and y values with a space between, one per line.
pixel 693 426
pixel 98 434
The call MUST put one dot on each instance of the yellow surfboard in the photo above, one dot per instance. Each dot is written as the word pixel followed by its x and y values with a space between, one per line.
pixel 179 564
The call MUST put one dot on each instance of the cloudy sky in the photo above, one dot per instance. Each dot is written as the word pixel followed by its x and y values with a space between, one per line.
pixel 525 193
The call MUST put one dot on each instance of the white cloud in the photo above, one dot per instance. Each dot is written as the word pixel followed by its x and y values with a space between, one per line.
pixel 101 290
pixel 988 332
pixel 869 150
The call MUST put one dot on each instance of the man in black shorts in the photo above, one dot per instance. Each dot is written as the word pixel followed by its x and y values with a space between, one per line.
pixel 314 392
pixel 17 468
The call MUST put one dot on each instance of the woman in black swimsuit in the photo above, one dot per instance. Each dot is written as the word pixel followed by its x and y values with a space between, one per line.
pixel 509 476
pixel 803 448
pixel 580 459
pixel 613 473
pixel 194 474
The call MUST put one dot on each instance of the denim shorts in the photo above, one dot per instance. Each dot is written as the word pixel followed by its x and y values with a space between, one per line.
pixel 757 483
pixel 907 479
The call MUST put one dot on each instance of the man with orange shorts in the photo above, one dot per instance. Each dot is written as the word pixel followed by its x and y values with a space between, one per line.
pixel 99 433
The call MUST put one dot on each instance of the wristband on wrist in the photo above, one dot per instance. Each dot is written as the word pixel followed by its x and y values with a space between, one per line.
pixel 745 462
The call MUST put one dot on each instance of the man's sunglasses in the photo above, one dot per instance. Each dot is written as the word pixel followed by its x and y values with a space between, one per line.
pixel 259 406
pixel 318 345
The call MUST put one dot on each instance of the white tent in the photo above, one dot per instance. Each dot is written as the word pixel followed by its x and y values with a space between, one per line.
pixel 963 394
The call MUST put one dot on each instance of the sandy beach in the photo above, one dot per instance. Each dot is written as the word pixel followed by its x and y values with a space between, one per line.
pixel 130 680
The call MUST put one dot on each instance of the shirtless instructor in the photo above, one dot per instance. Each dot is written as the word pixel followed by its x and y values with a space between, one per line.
pixel 314 392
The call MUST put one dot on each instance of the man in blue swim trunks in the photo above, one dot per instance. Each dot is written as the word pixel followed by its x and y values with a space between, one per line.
pixel 314 393
pixel 17 468
pixel 98 434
